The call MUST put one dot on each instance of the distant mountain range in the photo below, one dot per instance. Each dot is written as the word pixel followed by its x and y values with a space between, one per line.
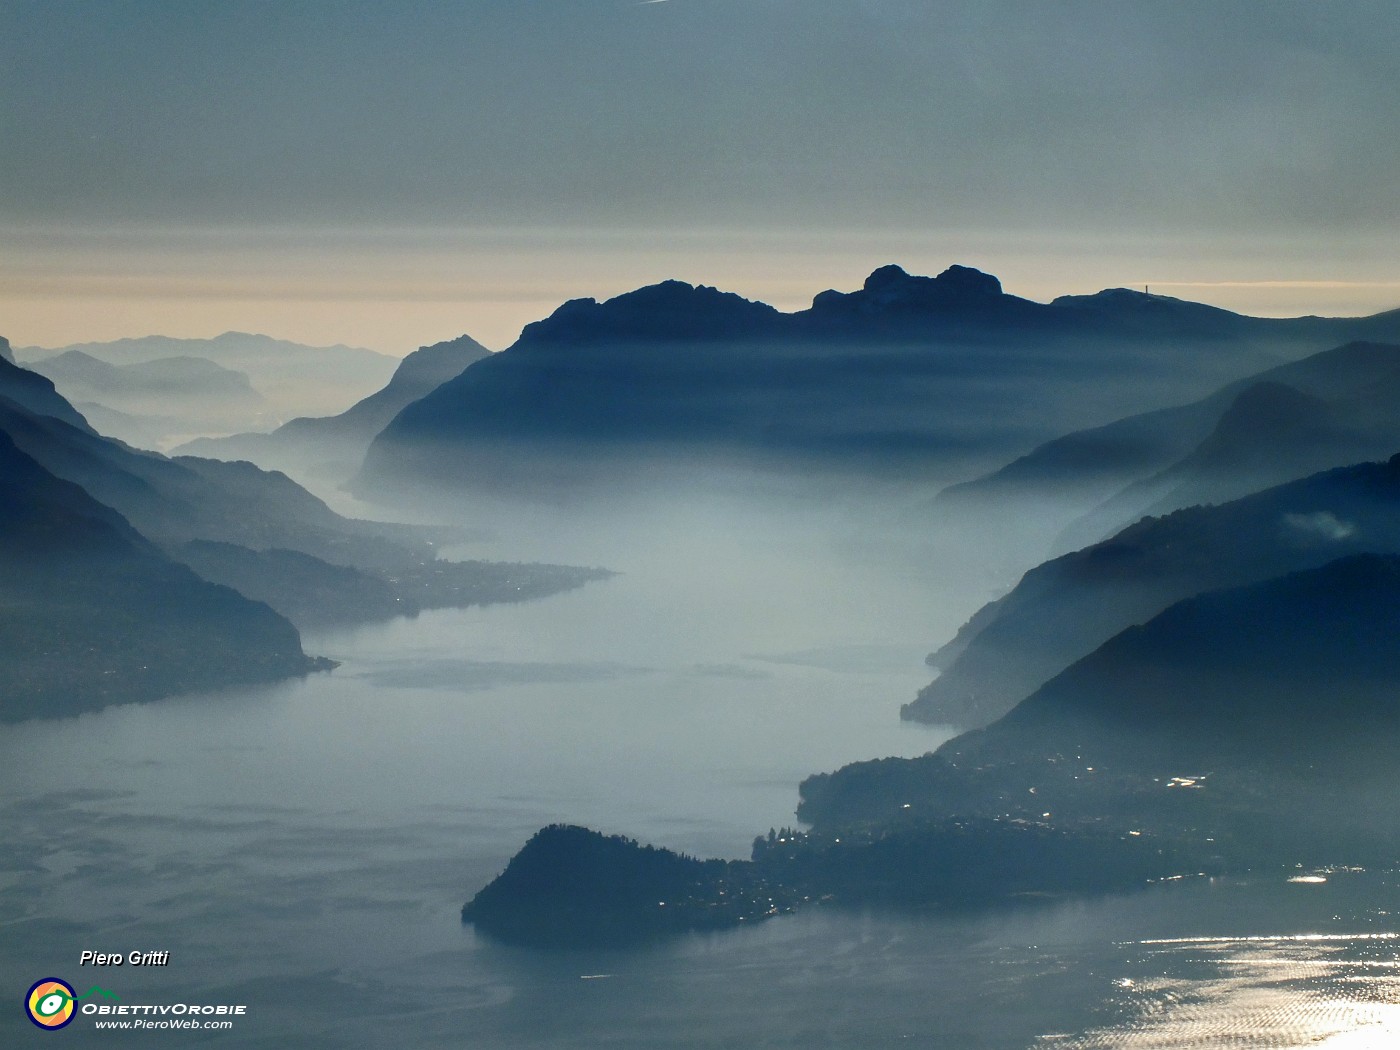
pixel 165 376
pixel 909 376
pixel 292 378
pixel 175 501
pixel 331 448
pixel 101 539
pixel 148 402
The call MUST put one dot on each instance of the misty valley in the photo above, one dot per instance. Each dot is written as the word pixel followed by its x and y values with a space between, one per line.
pixel 928 663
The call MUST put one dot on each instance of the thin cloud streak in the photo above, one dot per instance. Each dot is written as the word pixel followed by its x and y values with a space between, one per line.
pixel 1276 284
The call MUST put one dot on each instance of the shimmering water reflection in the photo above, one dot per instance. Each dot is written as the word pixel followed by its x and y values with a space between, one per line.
pixel 1286 992
pixel 305 849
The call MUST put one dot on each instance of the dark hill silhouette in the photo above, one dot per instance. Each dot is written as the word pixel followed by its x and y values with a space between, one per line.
pixel 6 354
pixel 332 447
pixel 291 547
pixel 1253 728
pixel 174 501
pixel 1065 608
pixel 893 299
pixel 36 393
pixel 569 885
pixel 92 614
pixel 912 376
pixel 671 310
pixel 1266 714
pixel 1270 672
pixel 1130 311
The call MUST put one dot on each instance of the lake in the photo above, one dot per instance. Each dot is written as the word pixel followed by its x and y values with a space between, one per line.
pixel 304 848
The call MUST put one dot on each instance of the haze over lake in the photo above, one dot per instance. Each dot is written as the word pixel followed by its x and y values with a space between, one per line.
pixel 678 524
pixel 284 862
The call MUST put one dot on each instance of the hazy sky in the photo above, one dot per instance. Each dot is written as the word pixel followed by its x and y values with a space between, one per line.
pixel 394 173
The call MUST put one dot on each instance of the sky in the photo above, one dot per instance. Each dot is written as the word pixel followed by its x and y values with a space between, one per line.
pixel 389 175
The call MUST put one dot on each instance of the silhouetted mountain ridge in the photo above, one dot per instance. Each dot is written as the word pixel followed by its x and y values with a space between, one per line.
pixel 892 297
pixel 1248 435
pixel 1261 714
pixel 905 377
pixel 261 533
pixel 93 614
pixel 1063 609
pixel 418 374
pixel 1137 312
pixel 1347 409
pixel 36 393
pixel 668 310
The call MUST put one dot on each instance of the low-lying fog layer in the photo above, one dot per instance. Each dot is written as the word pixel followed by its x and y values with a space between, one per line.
pixel 305 848
pixel 290 843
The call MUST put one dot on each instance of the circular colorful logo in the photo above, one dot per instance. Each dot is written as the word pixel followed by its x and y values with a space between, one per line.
pixel 50 1003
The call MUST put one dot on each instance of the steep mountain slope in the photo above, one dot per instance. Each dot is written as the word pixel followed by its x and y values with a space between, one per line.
pixel 1286 422
pixel 174 501
pixel 1021 508
pixel 1265 672
pixel 1266 714
pixel 92 614
pixel 308 591
pixel 1065 608
pixel 36 393
pixel 1341 406
pixel 260 532
pixel 508 417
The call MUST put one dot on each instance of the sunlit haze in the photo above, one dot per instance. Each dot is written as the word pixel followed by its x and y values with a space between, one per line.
pixel 928 573
pixel 395 289
pixel 386 178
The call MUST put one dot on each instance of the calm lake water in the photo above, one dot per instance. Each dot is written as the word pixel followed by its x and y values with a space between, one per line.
pixel 305 848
